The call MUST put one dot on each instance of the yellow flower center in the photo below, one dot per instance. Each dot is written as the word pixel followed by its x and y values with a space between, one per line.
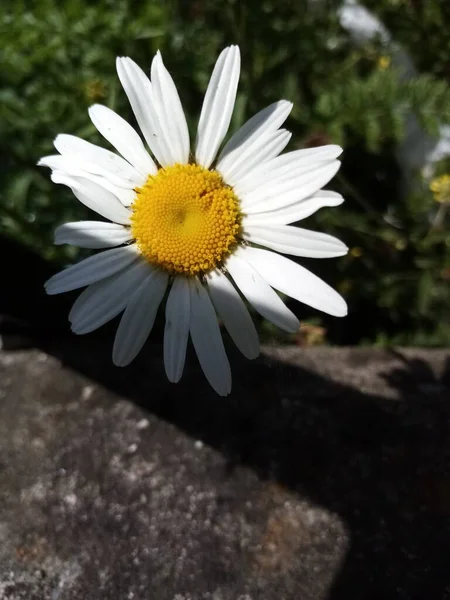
pixel 185 219
pixel 440 186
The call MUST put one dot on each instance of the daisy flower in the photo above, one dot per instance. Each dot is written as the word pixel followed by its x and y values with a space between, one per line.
pixel 193 225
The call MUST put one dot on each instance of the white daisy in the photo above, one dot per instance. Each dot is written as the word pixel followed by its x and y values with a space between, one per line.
pixel 193 223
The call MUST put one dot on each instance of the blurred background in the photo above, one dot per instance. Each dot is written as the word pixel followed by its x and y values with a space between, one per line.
pixel 372 77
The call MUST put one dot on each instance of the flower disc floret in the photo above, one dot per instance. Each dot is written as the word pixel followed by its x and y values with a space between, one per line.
pixel 185 219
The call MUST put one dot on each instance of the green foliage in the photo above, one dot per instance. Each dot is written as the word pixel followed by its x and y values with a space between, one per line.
pixel 58 58
pixel 373 108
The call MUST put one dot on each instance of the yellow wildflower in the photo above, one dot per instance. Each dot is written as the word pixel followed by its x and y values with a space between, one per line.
pixel 356 252
pixel 440 186
pixel 384 62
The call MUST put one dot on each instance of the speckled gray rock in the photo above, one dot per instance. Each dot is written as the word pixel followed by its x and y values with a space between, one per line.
pixel 325 475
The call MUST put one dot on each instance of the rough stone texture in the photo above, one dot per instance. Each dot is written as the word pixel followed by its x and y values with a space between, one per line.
pixel 325 475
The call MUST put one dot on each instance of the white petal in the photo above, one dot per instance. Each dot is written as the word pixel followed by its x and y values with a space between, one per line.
pixel 293 189
pixel 241 144
pixel 296 241
pixel 92 269
pixel 267 146
pixel 176 332
pixel 297 211
pixel 68 166
pixel 207 340
pixel 218 106
pixel 290 164
pixel 92 234
pixel 297 282
pixel 260 295
pixel 95 197
pixel 139 316
pixel 147 108
pixel 102 301
pixel 234 314
pixel 123 137
pixel 100 291
pixel 172 114
pixel 99 161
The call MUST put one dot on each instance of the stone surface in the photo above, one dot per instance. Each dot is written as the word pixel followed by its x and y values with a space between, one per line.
pixel 325 475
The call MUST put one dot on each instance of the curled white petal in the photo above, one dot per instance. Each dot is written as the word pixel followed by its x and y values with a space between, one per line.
pixel 95 197
pixel 65 165
pixel 99 161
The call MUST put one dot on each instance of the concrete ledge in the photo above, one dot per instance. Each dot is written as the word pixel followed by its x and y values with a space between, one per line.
pixel 325 475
